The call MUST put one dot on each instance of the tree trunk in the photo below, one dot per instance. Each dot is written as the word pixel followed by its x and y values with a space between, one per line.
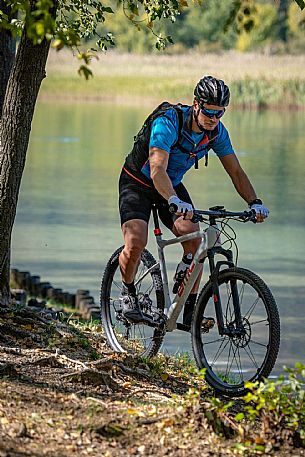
pixel 22 90
pixel 7 55
pixel 283 21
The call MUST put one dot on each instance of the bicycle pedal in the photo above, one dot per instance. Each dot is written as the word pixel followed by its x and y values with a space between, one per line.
pixel 207 324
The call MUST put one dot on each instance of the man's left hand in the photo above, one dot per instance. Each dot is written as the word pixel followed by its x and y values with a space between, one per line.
pixel 261 211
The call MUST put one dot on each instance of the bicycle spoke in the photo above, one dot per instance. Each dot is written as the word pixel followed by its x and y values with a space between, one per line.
pixel 238 363
pixel 112 303
pixel 239 366
pixel 220 351
pixel 214 341
pixel 228 359
pixel 251 309
pixel 138 275
pixel 150 289
pixel 136 339
pixel 259 344
pixel 259 322
pixel 117 285
pixel 144 338
pixel 251 356
pixel 231 346
pixel 228 308
pixel 141 330
pixel 241 293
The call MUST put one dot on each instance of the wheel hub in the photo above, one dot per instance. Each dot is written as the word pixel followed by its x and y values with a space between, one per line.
pixel 241 338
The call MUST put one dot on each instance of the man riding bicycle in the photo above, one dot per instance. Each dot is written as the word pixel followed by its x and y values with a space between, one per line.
pixel 172 140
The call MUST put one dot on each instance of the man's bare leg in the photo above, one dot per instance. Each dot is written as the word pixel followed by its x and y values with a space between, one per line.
pixel 135 233
pixel 135 239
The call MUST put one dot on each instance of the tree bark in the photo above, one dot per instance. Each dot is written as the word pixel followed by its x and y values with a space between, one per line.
pixel 22 90
pixel 283 20
pixel 7 54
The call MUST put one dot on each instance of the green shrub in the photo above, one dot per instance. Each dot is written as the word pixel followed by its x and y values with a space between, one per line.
pixel 280 407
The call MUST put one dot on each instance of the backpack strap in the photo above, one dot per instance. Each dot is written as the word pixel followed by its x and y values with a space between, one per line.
pixel 180 118
pixel 210 145
pixel 161 109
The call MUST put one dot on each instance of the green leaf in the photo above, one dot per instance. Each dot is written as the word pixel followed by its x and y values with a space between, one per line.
pixel 40 29
pixel 248 26
pixel 239 417
pixel 133 8
pixel 85 71
pixel 107 9
pixel 232 15
pixel 58 44
pixel 3 17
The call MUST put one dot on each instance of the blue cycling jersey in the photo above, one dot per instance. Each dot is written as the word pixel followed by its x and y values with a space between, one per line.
pixel 182 153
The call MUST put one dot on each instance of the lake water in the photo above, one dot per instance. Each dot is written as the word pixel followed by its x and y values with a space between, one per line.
pixel 67 222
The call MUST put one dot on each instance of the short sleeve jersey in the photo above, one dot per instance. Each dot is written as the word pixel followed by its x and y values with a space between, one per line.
pixel 164 135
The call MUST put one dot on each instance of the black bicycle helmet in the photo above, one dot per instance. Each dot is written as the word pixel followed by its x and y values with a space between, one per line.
pixel 212 91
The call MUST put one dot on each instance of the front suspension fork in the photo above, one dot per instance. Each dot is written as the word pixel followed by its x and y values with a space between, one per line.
pixel 215 269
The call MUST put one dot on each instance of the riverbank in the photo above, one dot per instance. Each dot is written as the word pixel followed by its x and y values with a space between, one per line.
pixel 64 393
pixel 255 80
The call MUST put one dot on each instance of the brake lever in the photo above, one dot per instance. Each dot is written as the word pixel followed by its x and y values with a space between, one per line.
pixel 196 218
pixel 249 216
pixel 252 216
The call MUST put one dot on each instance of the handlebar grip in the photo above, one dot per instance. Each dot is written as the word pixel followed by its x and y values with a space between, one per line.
pixel 173 208
pixel 253 216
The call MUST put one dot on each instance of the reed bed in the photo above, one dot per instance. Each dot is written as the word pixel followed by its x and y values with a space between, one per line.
pixel 255 79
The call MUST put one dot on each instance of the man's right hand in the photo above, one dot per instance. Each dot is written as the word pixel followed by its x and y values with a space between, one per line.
pixel 180 207
pixel 261 210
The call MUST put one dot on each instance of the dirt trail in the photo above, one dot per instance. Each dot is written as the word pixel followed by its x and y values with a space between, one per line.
pixel 64 393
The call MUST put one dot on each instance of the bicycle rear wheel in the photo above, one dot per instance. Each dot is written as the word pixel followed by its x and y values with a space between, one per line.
pixel 137 339
pixel 230 361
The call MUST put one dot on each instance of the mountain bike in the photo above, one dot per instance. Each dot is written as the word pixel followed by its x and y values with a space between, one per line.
pixel 235 328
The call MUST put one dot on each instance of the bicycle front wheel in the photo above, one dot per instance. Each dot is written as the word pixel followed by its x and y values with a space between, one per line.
pixel 231 360
pixel 136 339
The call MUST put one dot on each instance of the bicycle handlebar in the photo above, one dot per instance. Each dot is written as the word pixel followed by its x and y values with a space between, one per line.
pixel 218 212
pixel 245 216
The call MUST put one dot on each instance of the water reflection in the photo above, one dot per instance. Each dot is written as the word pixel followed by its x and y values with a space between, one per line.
pixel 67 223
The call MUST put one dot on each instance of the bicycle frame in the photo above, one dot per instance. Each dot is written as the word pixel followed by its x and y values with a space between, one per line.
pixel 173 308
pixel 208 247
pixel 232 325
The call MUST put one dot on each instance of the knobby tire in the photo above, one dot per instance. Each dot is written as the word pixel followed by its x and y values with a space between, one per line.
pixel 110 285
pixel 253 292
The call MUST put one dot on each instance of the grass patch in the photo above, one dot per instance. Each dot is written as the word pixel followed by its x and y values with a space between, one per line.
pixel 247 92
pixel 255 80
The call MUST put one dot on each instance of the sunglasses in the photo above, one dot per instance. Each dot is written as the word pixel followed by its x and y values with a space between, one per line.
pixel 218 113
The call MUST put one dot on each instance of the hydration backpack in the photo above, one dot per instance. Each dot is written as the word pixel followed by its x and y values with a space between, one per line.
pixel 139 154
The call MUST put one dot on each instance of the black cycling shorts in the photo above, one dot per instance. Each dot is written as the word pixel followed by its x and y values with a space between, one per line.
pixel 136 199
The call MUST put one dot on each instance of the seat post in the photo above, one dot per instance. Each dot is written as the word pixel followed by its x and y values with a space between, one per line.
pixel 157 230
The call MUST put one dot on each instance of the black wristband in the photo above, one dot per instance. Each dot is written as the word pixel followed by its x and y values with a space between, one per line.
pixel 256 201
